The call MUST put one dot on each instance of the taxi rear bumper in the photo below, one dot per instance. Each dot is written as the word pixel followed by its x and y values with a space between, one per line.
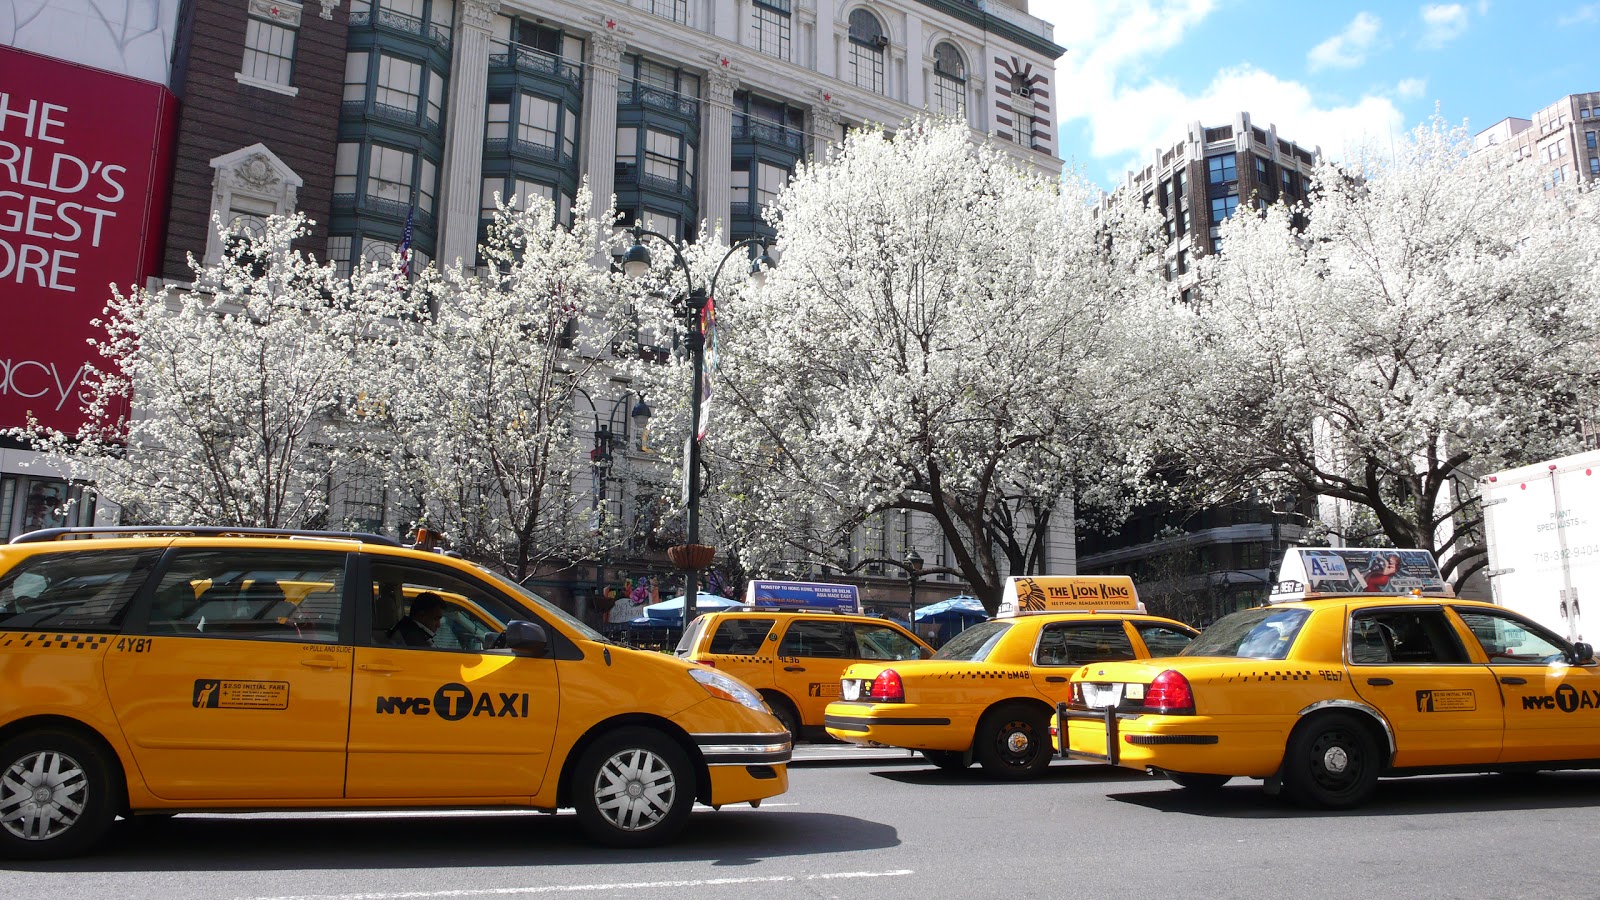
pixel 1112 721
pixel 1235 746
pixel 896 725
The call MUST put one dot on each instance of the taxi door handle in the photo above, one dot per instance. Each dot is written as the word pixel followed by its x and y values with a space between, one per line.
pixel 381 668
pixel 321 663
pixel 1055 679
pixel 1380 682
pixel 1512 679
pixel 794 668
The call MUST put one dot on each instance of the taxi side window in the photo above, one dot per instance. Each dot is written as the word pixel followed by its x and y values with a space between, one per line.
pixel 825 640
pixel 878 642
pixel 1076 643
pixel 78 591
pixel 265 595
pixel 740 637
pixel 1163 640
pixel 1403 637
pixel 420 608
pixel 1507 641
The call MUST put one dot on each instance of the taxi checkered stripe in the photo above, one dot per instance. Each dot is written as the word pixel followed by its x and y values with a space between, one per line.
pixel 1271 676
pixel 58 641
pixel 999 673
pixel 747 659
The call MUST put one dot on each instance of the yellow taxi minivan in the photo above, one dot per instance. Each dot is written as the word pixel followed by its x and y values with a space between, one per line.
pixel 988 694
pixel 1364 665
pixel 165 670
pixel 792 642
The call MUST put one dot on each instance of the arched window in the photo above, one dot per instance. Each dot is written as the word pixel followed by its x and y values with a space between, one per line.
pixel 867 43
pixel 949 81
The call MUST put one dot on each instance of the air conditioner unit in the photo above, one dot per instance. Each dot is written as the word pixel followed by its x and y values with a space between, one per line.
pixel 882 41
pixel 874 568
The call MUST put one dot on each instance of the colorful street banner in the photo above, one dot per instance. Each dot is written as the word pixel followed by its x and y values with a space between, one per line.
pixel 708 328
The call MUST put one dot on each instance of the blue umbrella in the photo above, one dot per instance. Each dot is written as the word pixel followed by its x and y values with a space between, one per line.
pixel 672 610
pixel 955 608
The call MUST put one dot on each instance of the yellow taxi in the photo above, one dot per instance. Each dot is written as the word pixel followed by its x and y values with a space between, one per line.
pixel 1364 666
pixel 166 670
pixel 792 642
pixel 989 693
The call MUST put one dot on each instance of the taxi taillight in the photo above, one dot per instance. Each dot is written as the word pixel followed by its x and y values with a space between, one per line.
pixel 1169 693
pixel 886 688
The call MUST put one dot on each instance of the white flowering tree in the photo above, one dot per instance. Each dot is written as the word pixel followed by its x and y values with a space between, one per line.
pixel 490 417
pixel 944 335
pixel 1437 318
pixel 241 388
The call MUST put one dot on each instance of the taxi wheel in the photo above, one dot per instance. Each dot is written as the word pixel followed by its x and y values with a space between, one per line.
pixel 1013 742
pixel 1332 762
pixel 784 712
pixel 633 787
pixel 59 793
pixel 949 760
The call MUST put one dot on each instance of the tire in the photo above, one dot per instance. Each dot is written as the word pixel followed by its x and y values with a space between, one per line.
pixel 1013 742
pixel 59 794
pixel 1331 762
pixel 949 760
pixel 633 788
pixel 785 713
pixel 1199 783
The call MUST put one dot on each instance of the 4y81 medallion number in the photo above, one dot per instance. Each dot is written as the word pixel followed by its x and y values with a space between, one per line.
pixel 135 645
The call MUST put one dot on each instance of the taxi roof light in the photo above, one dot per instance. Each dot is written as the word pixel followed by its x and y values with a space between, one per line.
pixel 886 688
pixel 1170 693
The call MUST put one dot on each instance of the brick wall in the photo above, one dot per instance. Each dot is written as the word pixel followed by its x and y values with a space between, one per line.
pixel 218 115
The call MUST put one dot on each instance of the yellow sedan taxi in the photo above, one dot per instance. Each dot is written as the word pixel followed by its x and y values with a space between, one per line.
pixel 168 670
pixel 988 694
pixel 1375 670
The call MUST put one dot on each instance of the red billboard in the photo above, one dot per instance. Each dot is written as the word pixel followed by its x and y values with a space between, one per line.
pixel 85 162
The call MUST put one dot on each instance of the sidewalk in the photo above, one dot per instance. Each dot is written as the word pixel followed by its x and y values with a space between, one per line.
pixel 832 754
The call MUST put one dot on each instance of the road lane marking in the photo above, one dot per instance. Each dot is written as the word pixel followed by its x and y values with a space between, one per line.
pixel 579 888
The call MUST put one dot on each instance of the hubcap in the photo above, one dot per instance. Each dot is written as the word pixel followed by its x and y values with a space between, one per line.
pixel 1017 742
pixel 1335 760
pixel 42 795
pixel 635 789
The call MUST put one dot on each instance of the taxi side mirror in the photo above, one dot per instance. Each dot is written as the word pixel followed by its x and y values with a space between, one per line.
pixel 524 638
pixel 1582 653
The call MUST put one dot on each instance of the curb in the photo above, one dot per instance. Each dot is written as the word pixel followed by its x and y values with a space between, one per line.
pixel 859 758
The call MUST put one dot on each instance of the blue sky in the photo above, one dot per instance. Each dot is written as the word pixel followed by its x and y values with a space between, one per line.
pixel 1330 75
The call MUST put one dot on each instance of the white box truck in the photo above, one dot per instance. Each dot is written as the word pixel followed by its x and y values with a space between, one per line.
pixel 1543 527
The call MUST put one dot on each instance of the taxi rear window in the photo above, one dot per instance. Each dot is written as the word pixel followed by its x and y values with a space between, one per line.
pixel 81 591
pixel 740 637
pixel 1263 633
pixel 974 644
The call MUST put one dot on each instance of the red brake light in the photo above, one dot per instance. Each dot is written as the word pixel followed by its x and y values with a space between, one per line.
pixel 1169 693
pixel 886 688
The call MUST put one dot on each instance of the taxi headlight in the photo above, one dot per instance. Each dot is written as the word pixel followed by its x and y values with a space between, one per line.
pixel 727 687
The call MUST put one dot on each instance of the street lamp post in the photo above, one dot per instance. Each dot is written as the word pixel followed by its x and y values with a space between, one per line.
pixel 636 264
pixel 913 566
pixel 606 436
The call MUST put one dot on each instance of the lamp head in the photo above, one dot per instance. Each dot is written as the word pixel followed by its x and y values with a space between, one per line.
pixel 636 262
pixel 913 562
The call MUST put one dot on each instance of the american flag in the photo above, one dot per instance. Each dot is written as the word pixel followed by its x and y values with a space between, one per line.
pixel 405 246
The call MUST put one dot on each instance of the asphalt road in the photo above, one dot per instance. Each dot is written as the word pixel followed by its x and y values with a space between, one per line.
pixel 886 829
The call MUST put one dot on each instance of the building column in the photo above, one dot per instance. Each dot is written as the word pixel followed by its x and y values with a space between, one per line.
pixel 600 117
pixel 824 121
pixel 716 149
pixel 463 159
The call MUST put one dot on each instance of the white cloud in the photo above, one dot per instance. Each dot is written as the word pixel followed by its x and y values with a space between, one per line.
pixel 1348 48
pixel 1154 116
pixel 1587 14
pixel 1411 88
pixel 1103 83
pixel 1443 23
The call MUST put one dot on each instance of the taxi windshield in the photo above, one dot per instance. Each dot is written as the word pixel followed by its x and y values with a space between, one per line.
pixel 974 644
pixel 546 608
pixel 1262 633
